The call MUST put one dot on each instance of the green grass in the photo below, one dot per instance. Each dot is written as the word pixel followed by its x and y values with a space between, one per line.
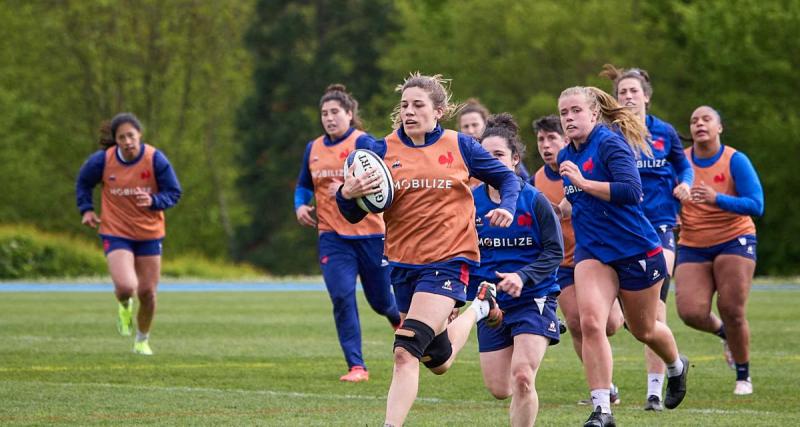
pixel 273 359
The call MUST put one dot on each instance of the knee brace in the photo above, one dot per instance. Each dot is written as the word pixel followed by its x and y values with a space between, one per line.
pixel 439 350
pixel 414 336
pixel 665 288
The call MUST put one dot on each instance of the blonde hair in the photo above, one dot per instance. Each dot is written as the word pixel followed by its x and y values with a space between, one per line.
pixel 615 116
pixel 438 89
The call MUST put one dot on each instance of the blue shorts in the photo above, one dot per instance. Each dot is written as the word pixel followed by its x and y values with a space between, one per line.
pixel 637 272
pixel 667 236
pixel 565 276
pixel 521 319
pixel 743 246
pixel 138 247
pixel 447 278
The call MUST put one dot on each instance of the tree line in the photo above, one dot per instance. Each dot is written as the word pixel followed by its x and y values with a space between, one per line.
pixel 229 91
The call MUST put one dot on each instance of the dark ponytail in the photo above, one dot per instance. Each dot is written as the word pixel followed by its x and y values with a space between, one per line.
pixel 503 125
pixel 338 92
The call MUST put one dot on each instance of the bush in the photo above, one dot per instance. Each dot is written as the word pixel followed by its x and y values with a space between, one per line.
pixel 28 253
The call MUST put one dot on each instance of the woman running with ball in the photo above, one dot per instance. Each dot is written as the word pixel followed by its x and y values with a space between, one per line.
pixel 430 231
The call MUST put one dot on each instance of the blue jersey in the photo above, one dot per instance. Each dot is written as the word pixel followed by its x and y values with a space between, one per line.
pixel 531 246
pixel 660 173
pixel 616 229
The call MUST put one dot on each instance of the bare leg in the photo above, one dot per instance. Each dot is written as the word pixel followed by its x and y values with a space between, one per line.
pixel 432 310
pixel 122 268
pixel 569 306
pixel 148 270
pixel 694 289
pixel 528 353
pixel 496 369
pixel 596 286
pixel 656 366
pixel 734 275
pixel 640 309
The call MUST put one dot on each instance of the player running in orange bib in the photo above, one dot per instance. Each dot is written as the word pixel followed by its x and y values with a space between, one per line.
pixel 717 242
pixel 138 185
pixel 345 250
pixel 431 240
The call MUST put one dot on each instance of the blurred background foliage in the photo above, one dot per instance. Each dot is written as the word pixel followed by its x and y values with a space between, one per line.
pixel 229 90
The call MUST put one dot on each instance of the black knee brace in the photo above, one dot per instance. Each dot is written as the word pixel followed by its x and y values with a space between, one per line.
pixel 414 336
pixel 438 351
pixel 665 288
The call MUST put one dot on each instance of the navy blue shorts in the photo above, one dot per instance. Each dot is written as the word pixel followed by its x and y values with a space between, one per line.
pixel 637 272
pixel 448 278
pixel 667 236
pixel 743 246
pixel 138 247
pixel 530 318
pixel 565 276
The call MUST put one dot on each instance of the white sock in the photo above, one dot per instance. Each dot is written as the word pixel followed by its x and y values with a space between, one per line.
pixel 481 309
pixel 675 368
pixel 655 382
pixel 602 397
pixel 140 336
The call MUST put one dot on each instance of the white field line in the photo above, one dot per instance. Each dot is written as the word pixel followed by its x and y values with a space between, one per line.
pixel 291 394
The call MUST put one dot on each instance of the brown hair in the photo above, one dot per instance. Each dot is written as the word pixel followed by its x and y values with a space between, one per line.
pixel 503 125
pixel 617 75
pixel 549 123
pixel 616 116
pixel 438 89
pixel 338 92
pixel 472 105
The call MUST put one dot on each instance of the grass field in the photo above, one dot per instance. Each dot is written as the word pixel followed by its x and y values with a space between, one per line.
pixel 273 359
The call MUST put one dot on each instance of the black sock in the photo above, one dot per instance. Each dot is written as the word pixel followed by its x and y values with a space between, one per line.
pixel 721 332
pixel 743 371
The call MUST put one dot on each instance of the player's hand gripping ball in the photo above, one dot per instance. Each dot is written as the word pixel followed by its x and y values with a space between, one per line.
pixel 367 162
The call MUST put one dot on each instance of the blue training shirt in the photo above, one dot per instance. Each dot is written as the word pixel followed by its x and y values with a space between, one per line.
pixel 660 173
pixel 750 199
pixel 532 246
pixel 616 229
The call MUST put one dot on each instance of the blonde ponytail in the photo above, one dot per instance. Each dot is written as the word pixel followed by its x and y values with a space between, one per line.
pixel 615 116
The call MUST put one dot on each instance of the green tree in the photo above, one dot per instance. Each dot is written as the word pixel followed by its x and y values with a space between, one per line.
pixel 180 66
pixel 299 48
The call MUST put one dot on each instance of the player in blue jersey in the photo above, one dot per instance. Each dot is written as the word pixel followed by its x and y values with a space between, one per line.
pixel 522 259
pixel 431 238
pixel 667 178
pixel 345 250
pixel 618 253
pixel 471 121
pixel 549 141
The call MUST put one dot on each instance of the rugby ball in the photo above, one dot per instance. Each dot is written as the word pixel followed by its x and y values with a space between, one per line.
pixel 368 162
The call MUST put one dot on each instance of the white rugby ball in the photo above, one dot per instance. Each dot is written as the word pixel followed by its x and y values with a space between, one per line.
pixel 368 162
